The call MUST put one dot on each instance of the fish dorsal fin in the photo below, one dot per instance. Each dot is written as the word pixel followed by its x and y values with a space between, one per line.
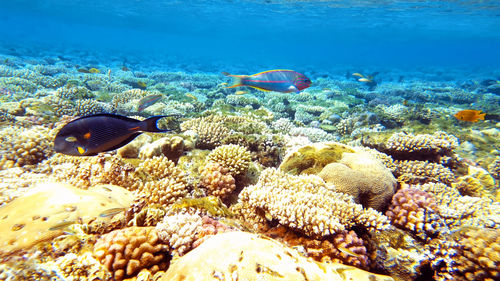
pixel 107 115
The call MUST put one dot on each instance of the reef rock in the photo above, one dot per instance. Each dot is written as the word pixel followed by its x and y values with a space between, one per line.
pixel 43 212
pixel 246 256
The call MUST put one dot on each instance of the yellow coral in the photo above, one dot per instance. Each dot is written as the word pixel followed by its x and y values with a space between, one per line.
pixel 126 251
pixel 478 182
pixel 217 180
pixel 307 204
pixel 422 172
pixel 233 157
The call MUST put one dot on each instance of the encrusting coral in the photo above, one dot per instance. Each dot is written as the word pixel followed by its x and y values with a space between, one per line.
pixel 127 251
pixel 305 203
pixel 44 212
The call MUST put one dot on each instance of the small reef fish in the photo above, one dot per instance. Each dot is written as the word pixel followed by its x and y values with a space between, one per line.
pixel 240 92
pixel 279 80
pixel 136 85
pixel 111 212
pixel 89 135
pixel 348 252
pixel 470 115
pixel 148 101
pixel 364 80
pixel 94 70
pixel 83 70
pixel 124 68
pixel 189 95
pixel 358 74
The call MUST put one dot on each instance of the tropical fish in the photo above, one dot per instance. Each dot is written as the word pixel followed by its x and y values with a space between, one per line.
pixel 189 95
pixel 364 80
pixel 137 85
pixel 348 252
pixel 148 101
pixel 279 80
pixel 89 135
pixel 94 70
pixel 470 115
pixel 111 212
pixel 358 74
pixel 83 70
pixel 240 92
pixel 124 68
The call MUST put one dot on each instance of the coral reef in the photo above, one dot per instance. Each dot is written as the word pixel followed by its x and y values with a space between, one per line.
pixel 127 251
pixel 239 254
pixel 415 171
pixel 217 180
pixel 233 157
pixel 305 203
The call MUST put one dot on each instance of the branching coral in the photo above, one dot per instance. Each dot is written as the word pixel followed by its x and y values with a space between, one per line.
pixel 415 210
pixel 233 157
pixel 306 204
pixel 126 251
pixel 20 147
pixel 217 179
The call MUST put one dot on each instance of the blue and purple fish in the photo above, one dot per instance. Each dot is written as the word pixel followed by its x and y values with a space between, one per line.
pixel 278 80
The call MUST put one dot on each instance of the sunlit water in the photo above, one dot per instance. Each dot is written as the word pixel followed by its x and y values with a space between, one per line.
pixel 254 35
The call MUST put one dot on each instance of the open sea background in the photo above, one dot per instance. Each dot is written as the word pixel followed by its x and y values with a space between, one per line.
pixel 255 35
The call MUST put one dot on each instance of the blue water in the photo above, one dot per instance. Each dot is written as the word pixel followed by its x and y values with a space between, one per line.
pixel 255 35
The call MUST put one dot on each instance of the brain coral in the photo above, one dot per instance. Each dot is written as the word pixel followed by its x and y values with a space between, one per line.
pixel 479 255
pixel 244 256
pixel 233 157
pixel 37 215
pixel 127 251
pixel 305 203
pixel 20 147
pixel 350 170
pixel 415 210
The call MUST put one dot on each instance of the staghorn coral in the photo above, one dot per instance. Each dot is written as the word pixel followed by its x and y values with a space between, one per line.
pixel 127 251
pixel 233 157
pixel 478 256
pixel 20 147
pixel 305 203
pixel 344 247
pixel 415 210
pixel 415 171
pixel 217 179
pixel 241 255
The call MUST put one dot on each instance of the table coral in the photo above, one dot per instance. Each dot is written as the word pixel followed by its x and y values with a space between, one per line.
pixel 305 203
pixel 241 255
pixel 415 171
pixel 20 147
pixel 41 214
pixel 233 157
pixel 126 251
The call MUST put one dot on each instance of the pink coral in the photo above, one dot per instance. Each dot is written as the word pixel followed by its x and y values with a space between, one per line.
pixel 217 180
pixel 414 210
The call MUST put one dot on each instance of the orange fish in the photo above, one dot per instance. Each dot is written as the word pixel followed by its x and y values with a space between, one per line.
pixel 470 115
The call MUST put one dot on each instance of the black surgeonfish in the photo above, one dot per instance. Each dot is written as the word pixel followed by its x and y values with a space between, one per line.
pixel 89 135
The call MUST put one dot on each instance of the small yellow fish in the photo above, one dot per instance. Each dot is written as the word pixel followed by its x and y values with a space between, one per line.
pixel 62 225
pixel 470 115
pixel 364 80
pixel 94 70
pixel 189 95
pixel 348 252
pixel 223 84
pixel 142 85
pixel 240 92
pixel 111 212
pixel 358 74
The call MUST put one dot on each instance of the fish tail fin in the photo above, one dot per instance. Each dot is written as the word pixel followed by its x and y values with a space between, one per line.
pixel 481 116
pixel 237 80
pixel 151 124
